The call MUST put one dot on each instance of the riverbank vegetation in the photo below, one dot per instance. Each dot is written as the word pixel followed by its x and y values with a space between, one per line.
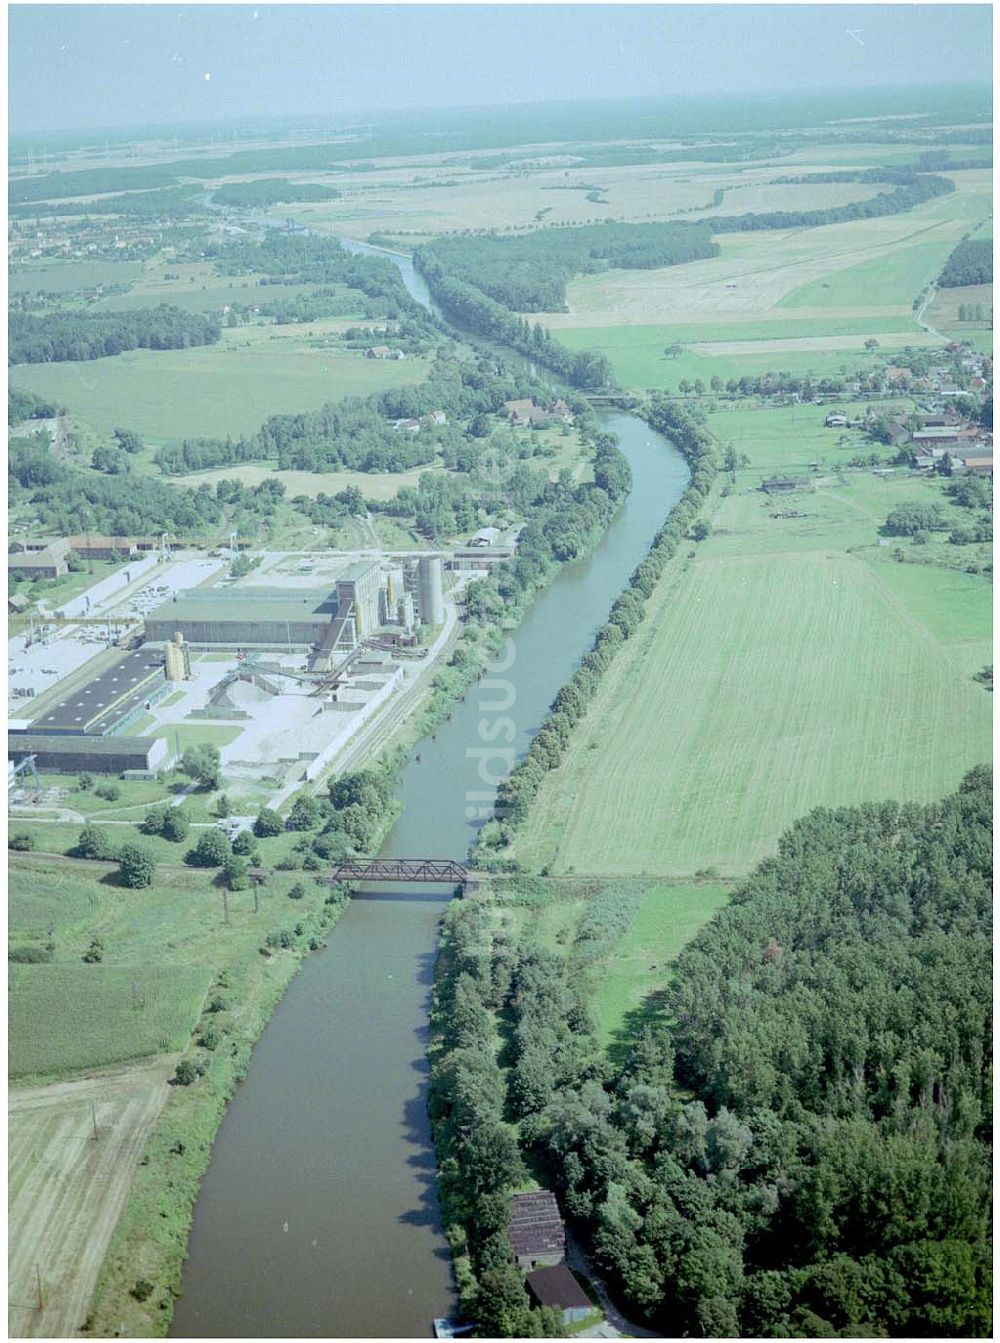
pixel 723 1185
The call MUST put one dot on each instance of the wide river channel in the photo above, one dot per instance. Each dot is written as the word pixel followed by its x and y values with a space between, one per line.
pixel 318 1216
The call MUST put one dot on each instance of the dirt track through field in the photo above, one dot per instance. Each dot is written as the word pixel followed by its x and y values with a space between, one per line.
pixel 66 1189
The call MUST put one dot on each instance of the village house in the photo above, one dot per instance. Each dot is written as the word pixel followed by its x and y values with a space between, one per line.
pixel 519 412
pixel 782 484
pixel 378 352
pixel 980 464
pixel 836 421
pixel 407 426
pixel 40 559
pixel 898 433
pixel 537 1234
pixel 936 436
pixel 557 1287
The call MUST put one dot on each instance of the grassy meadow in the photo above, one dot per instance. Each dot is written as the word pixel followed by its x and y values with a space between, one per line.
pixel 664 923
pixel 214 390
pixel 164 946
pixel 789 661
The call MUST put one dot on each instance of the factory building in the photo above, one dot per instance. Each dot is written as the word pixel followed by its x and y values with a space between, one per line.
pixel 250 617
pixel 109 703
pixel 359 589
pixel 135 757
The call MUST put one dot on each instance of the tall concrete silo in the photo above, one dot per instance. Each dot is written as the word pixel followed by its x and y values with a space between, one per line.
pixel 430 592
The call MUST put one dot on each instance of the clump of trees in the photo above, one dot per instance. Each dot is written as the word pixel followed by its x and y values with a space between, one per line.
pixel 266 191
pixel 970 263
pixel 136 865
pixel 909 519
pixel 57 336
pixel 28 406
pixel 202 765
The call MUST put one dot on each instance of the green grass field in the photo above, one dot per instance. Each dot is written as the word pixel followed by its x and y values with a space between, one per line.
pixel 63 277
pixel 890 279
pixel 665 922
pixel 636 355
pixel 792 663
pixel 162 948
pixel 214 390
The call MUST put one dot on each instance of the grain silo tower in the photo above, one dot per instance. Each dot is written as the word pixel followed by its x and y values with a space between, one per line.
pixel 430 593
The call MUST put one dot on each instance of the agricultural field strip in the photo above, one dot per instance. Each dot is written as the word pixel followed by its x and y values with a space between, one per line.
pixel 614 297
pixel 768 718
pixel 67 1190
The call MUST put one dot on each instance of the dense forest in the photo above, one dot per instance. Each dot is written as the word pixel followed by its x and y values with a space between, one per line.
pixel 970 263
pixel 267 191
pixel 59 336
pixel 796 1139
pixel 529 273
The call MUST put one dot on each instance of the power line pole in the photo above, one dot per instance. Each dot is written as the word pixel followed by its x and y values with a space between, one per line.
pixel 38 1279
pixel 93 1116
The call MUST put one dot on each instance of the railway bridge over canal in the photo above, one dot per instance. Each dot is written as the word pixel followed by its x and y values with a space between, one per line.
pixel 416 871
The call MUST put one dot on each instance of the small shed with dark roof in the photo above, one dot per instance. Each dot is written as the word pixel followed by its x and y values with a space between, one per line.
pixel 558 1288
pixel 536 1230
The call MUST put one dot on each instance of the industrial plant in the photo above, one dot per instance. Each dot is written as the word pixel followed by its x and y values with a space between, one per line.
pixel 292 657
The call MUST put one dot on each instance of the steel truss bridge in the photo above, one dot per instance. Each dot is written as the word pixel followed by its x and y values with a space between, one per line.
pixel 417 870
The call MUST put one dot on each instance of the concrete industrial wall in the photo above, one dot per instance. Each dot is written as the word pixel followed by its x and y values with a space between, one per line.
pixel 269 633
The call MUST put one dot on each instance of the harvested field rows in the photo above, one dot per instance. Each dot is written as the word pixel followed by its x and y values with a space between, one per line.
pixel 67 1190
pixel 764 268
pixel 747 718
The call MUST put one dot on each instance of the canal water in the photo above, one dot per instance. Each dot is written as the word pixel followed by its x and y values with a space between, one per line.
pixel 318 1215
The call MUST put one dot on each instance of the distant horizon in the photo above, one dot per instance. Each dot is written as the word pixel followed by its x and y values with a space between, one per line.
pixel 391 115
pixel 120 67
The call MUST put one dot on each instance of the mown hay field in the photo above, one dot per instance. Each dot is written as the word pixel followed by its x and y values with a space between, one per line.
pixel 426 203
pixel 760 685
pixel 214 390
pixel 63 277
pixel 756 273
pixel 67 1188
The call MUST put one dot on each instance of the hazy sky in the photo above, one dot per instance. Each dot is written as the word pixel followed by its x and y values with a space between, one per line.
pixel 76 66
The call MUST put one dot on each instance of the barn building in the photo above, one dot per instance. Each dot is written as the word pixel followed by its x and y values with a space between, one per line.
pixel 537 1234
pixel 556 1287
